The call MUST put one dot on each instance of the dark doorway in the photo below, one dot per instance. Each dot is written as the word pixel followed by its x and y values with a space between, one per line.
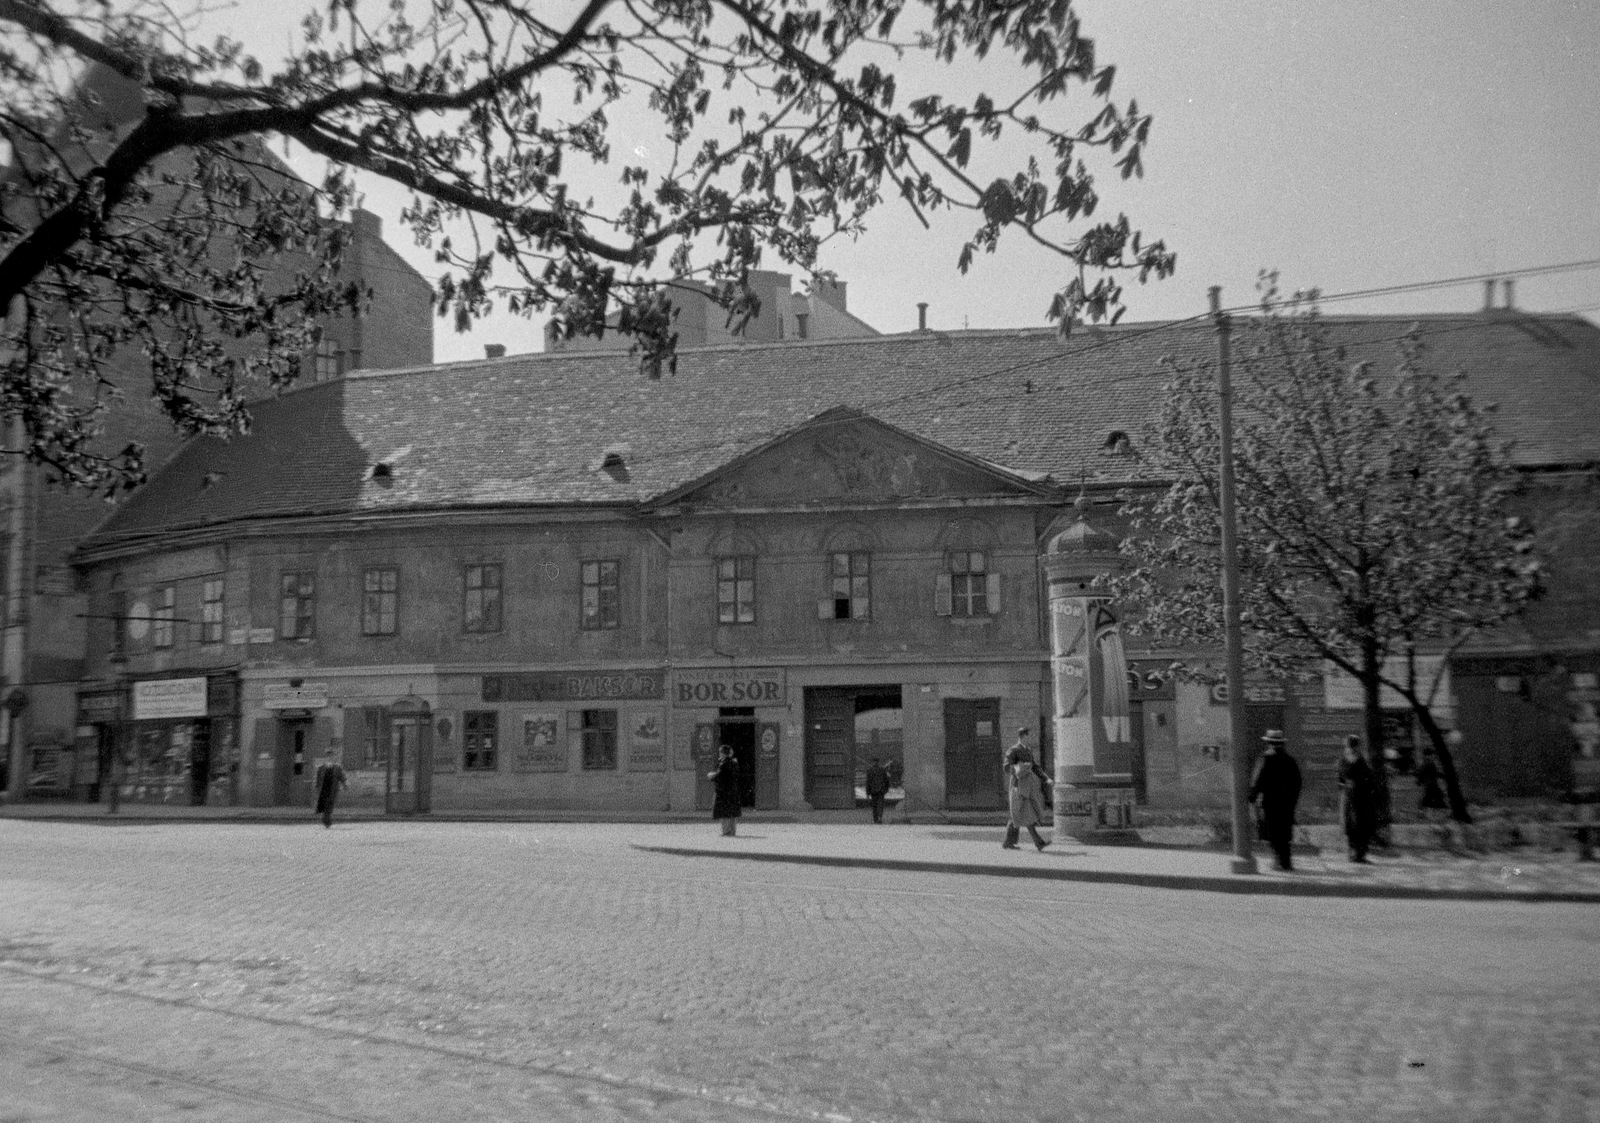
pixel 292 777
pixel 973 762
pixel 199 762
pixel 736 728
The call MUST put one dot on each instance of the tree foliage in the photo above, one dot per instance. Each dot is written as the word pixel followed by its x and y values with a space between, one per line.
pixel 781 125
pixel 1372 514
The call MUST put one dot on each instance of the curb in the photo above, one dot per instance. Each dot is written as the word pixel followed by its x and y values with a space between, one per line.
pixel 1242 885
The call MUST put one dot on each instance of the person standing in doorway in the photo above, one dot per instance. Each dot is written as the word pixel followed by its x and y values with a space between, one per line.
pixel 1275 789
pixel 1027 804
pixel 877 787
pixel 725 807
pixel 1358 799
pixel 330 780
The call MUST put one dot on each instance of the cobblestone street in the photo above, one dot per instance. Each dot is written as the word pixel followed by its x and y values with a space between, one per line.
pixel 392 970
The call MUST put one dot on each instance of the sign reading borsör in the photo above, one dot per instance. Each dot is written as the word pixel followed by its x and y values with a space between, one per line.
pixel 729 686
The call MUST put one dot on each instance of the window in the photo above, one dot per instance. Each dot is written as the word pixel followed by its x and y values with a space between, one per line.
pixel 211 611
pixel 323 364
pixel 374 738
pixel 852 586
pixel 600 594
pixel 297 606
pixel 380 592
pixel 736 590
pixel 480 735
pixel 967 588
pixel 598 728
pixel 480 610
pixel 161 629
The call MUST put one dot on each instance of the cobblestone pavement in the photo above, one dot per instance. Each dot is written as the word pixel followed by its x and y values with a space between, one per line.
pixel 383 970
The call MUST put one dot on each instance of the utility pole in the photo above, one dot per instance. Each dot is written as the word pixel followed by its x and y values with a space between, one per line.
pixel 1244 859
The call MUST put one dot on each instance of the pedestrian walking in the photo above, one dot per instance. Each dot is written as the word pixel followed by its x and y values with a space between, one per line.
pixel 330 781
pixel 1275 789
pixel 725 808
pixel 1428 780
pixel 1027 805
pixel 1358 799
pixel 1021 750
pixel 877 787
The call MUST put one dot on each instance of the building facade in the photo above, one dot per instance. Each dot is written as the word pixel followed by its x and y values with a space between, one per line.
pixel 545 582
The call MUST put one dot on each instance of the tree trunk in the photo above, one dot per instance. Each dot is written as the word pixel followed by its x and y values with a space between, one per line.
pixel 1371 704
pixel 1447 763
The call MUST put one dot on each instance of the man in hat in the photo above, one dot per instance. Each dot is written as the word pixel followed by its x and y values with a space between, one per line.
pixel 1275 789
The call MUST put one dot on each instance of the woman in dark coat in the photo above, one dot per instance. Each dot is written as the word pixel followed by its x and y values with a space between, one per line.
pixel 330 779
pixel 1358 799
pixel 726 777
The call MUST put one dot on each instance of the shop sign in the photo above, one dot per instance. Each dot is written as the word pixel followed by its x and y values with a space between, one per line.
pixel 94 708
pixel 282 696
pixel 261 635
pixel 1151 680
pixel 575 686
pixel 1342 691
pixel 729 686
pixel 157 699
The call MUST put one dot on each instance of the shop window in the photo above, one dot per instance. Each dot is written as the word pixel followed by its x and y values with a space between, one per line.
pixel 598 730
pixel 480 610
pixel 736 590
pixel 480 737
pixel 852 586
pixel 297 606
pixel 162 629
pixel 601 594
pixel 379 599
pixel 967 588
pixel 211 611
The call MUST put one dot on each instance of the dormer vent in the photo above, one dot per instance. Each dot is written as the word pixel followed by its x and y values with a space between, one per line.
pixel 382 474
pixel 1117 443
pixel 615 466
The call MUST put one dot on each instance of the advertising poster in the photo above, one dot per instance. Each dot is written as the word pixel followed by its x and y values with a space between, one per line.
pixel 538 747
pixel 646 744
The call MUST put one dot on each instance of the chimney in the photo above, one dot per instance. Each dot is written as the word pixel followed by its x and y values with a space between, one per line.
pixel 922 315
pixel 831 291
pixel 1488 295
pixel 366 224
pixel 1506 285
pixel 494 350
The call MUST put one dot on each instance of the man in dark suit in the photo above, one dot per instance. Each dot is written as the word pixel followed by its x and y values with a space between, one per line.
pixel 1275 790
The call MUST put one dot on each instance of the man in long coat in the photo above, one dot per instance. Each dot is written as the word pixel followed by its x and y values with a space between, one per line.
pixel 877 787
pixel 1276 790
pixel 725 807
pixel 1027 805
pixel 330 778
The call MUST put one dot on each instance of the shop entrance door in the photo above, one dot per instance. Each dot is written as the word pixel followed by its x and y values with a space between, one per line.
pixel 292 775
pixel 409 778
pixel 736 728
pixel 973 764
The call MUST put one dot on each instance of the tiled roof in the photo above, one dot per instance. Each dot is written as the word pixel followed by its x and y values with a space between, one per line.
pixel 534 429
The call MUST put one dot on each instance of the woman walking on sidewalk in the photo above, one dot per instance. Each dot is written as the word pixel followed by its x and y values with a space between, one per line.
pixel 1358 799
pixel 1027 805
pixel 726 778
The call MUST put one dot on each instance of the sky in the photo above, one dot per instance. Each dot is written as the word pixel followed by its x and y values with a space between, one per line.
pixel 1348 146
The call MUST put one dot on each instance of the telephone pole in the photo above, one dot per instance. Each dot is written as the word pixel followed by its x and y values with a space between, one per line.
pixel 1244 859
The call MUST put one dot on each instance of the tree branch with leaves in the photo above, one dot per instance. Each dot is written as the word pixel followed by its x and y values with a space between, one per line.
pixel 783 123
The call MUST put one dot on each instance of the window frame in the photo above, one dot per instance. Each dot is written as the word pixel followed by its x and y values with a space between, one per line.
pixel 212 609
pixel 164 616
pixel 374 738
pixel 857 575
pixel 480 741
pixel 597 620
pixel 969 583
pixel 483 625
pixel 302 618
pixel 730 605
pixel 373 619
pixel 597 733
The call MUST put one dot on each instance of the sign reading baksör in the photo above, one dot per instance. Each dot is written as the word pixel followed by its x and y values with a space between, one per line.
pixel 729 686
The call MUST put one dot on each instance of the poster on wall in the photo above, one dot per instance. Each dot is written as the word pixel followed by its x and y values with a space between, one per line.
pixel 538 746
pixel 646 744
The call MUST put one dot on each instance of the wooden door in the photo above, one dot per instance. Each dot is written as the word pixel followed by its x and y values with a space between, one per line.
pixel 830 746
pixel 296 768
pixel 974 765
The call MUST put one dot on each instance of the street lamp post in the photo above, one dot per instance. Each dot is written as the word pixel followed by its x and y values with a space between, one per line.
pixel 1244 859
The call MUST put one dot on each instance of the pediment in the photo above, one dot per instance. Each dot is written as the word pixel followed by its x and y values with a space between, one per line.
pixel 847 457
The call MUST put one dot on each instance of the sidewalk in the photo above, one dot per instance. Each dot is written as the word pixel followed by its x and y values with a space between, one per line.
pixel 844 840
